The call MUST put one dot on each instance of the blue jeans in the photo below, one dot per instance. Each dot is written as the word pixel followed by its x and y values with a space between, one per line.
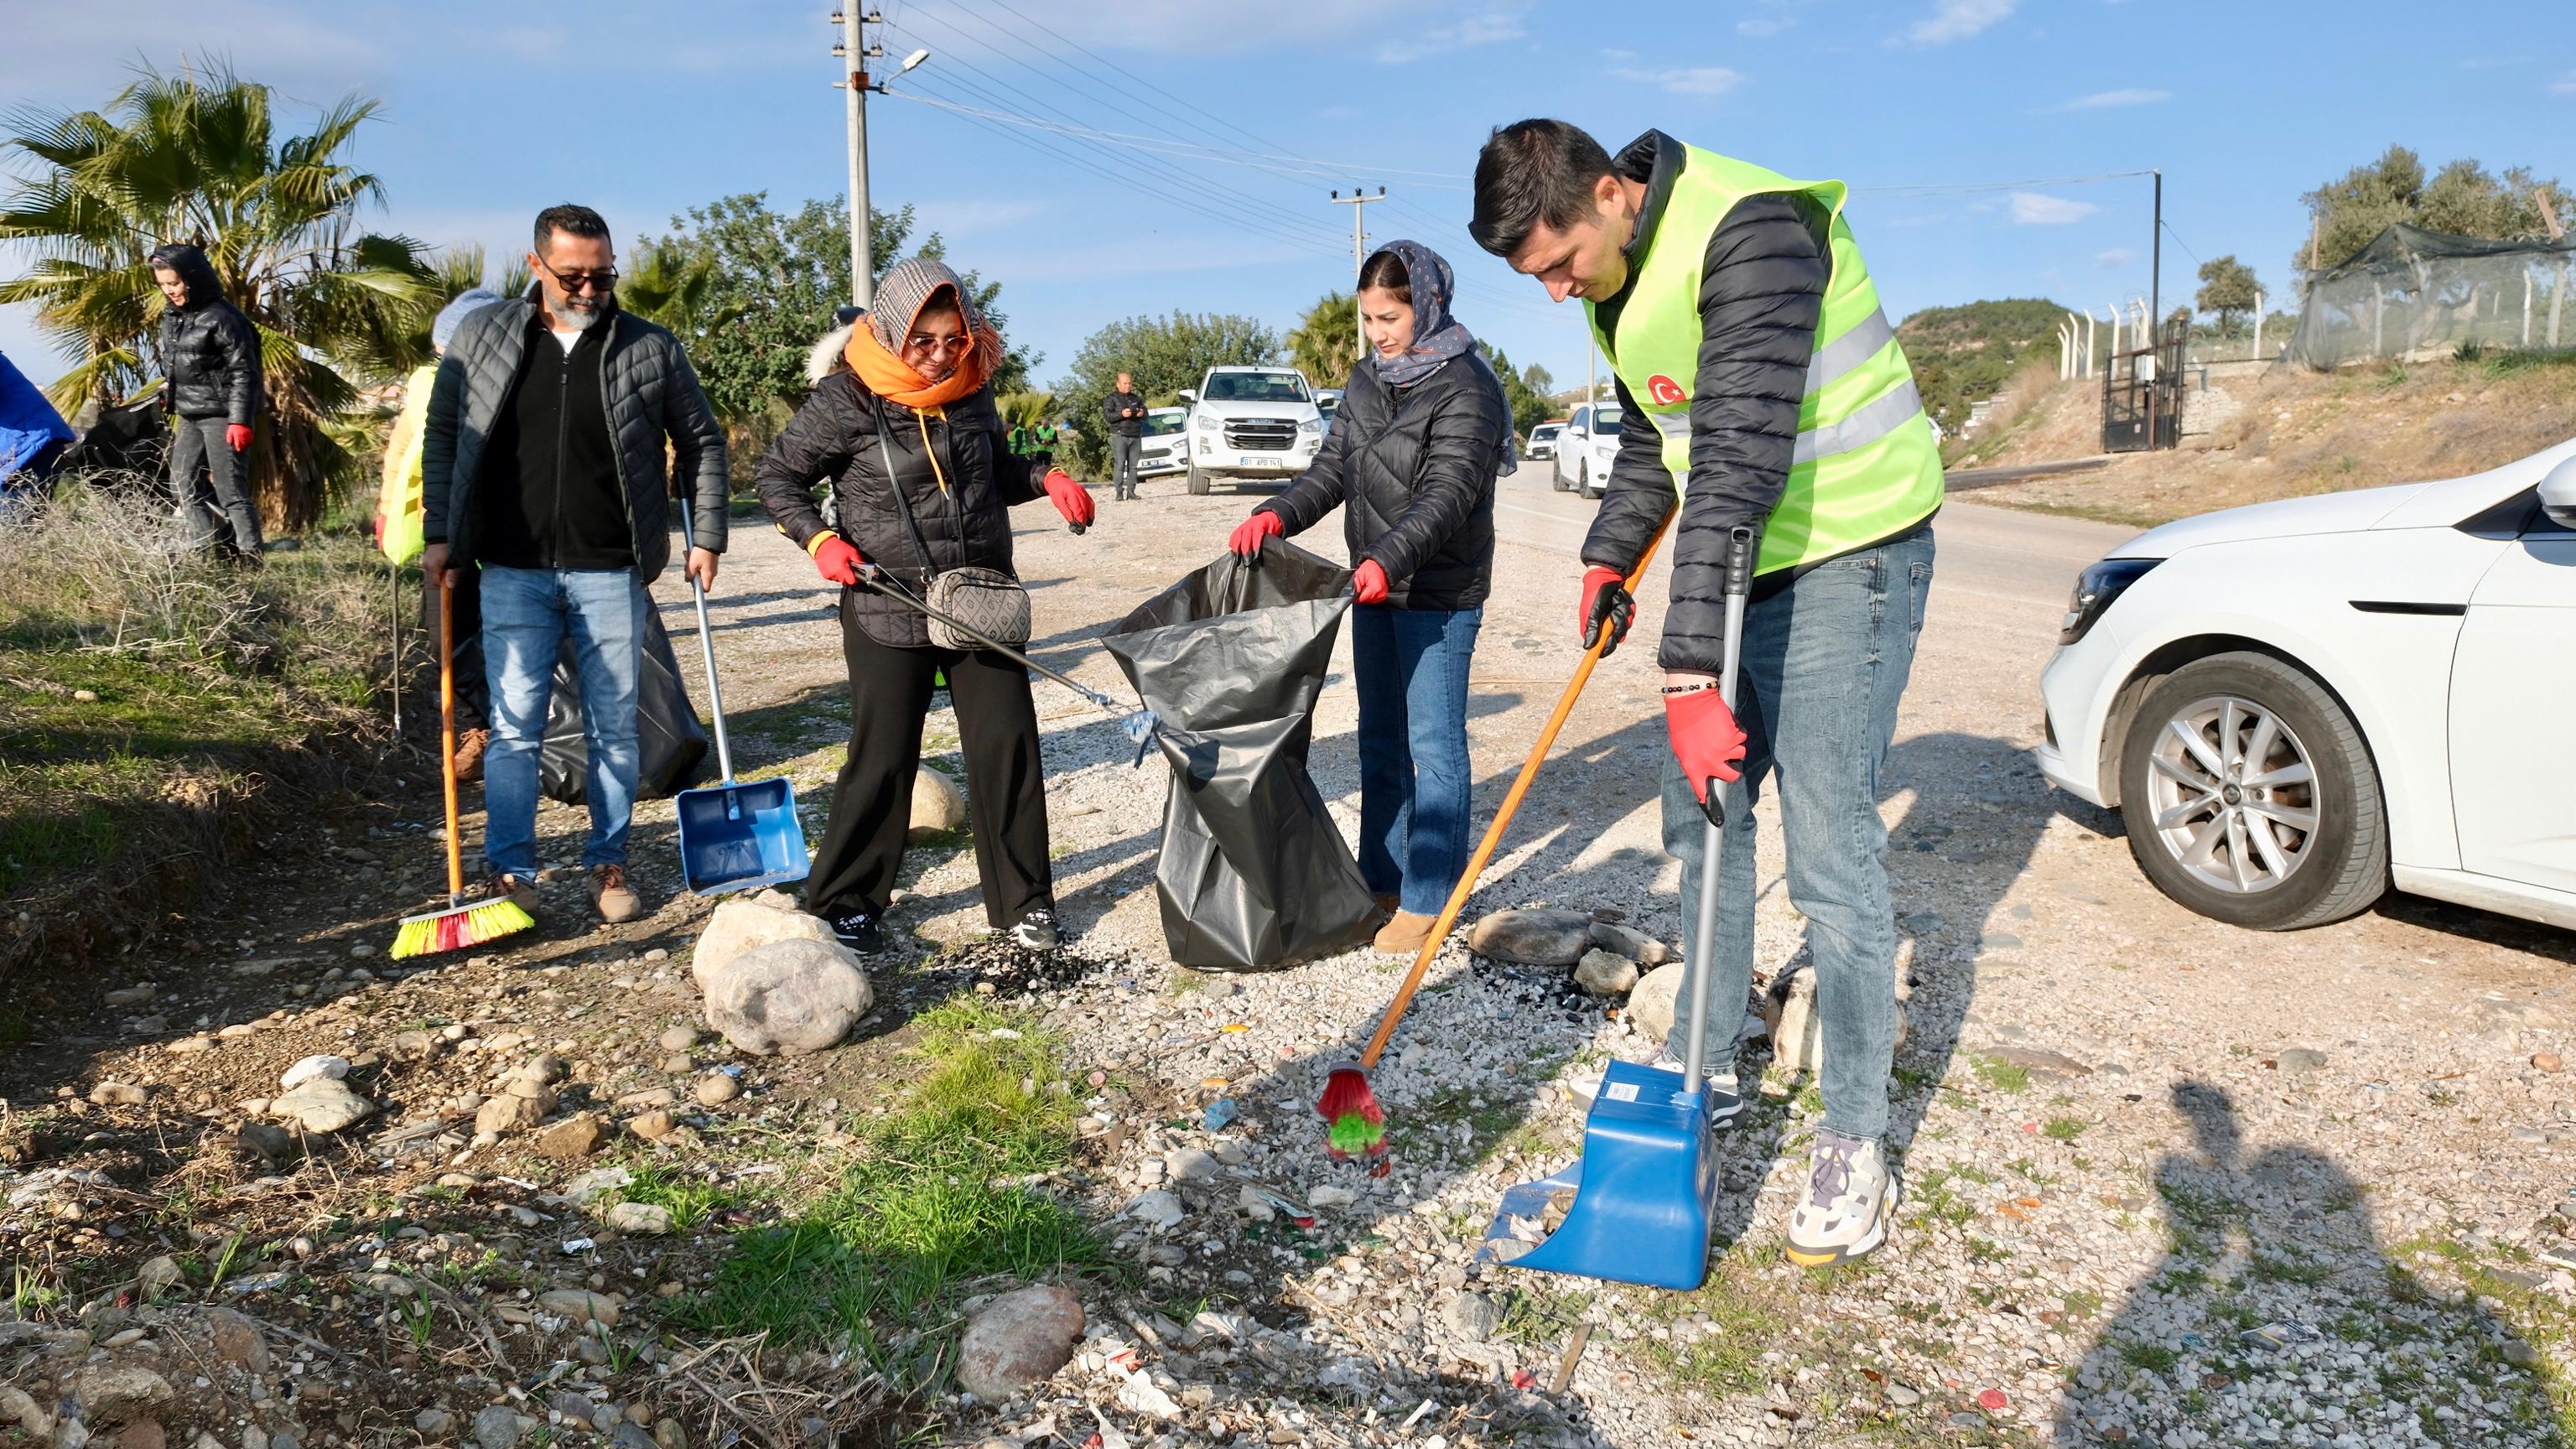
pixel 1825 664
pixel 526 615
pixel 1415 778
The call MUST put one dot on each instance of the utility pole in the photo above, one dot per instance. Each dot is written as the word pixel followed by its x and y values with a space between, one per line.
pixel 854 52
pixel 1359 258
pixel 2156 316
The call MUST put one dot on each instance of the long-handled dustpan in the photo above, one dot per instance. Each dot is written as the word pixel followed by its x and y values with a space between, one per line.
pixel 1647 1180
pixel 734 835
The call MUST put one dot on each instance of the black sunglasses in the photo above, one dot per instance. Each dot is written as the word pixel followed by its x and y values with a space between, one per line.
pixel 600 281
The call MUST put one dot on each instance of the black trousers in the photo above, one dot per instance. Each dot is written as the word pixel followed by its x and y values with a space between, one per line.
pixel 997 725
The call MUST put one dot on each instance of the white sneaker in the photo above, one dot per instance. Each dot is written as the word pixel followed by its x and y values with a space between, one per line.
pixel 1850 1197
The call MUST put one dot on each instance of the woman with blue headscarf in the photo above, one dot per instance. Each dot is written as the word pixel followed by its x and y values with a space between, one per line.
pixel 1411 460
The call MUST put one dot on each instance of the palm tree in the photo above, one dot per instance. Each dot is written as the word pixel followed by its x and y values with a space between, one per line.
pixel 1024 409
pixel 184 159
pixel 1327 340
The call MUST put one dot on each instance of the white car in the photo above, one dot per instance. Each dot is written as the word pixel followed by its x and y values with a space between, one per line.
pixel 1166 444
pixel 1542 441
pixel 2299 704
pixel 1252 422
pixel 1581 457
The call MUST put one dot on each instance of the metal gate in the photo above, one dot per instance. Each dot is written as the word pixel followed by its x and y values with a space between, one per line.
pixel 2142 394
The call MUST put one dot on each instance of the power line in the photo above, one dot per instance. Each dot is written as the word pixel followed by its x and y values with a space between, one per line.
pixel 1963 187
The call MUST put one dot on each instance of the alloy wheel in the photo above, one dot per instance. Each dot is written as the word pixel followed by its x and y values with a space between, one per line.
pixel 2232 794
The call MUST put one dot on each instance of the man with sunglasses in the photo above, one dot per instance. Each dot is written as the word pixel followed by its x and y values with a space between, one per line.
pixel 542 466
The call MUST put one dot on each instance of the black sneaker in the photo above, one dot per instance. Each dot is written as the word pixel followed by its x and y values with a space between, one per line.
pixel 858 931
pixel 1037 931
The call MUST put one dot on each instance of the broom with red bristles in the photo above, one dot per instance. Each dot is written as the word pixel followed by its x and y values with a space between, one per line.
pixel 463 923
pixel 1355 1125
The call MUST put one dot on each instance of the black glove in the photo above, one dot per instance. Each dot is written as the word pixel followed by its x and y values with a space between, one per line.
pixel 1606 605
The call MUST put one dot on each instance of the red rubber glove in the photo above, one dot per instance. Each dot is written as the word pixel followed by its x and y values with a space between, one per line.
pixel 236 436
pixel 1071 499
pixel 1247 536
pixel 838 562
pixel 1607 605
pixel 1705 738
pixel 1368 582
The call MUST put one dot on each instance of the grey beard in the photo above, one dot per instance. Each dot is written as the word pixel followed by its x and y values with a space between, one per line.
pixel 579 313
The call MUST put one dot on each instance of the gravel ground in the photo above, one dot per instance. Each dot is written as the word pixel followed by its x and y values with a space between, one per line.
pixel 2166 1182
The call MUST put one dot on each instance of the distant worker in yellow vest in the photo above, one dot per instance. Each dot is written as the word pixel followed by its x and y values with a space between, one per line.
pixel 1760 385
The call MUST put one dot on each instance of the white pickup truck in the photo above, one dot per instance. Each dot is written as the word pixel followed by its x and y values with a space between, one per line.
pixel 1252 422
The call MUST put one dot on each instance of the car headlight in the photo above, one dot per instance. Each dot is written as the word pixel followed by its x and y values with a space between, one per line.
pixel 1205 422
pixel 1311 425
pixel 2095 588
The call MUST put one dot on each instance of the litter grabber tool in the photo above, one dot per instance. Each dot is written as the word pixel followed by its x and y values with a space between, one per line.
pixel 1138 724
pixel 734 835
pixel 1355 1125
pixel 1644 1188
pixel 462 923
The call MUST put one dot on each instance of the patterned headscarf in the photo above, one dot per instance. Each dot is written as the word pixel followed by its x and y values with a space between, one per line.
pixel 876 350
pixel 1437 336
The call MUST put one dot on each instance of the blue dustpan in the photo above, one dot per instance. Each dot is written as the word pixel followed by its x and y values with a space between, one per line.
pixel 734 836
pixel 1647 1180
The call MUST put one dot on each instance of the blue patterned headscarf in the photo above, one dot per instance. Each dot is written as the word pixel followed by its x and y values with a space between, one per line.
pixel 1437 336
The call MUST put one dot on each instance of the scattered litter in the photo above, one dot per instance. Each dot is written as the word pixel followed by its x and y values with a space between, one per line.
pixel 1004 1033
pixel 1523 1379
pixel 1414 1418
pixel 579 1245
pixel 1219 1114
pixel 1993 1401
pixel 1141 1395
pixel 2279 1335
pixel 1234 1026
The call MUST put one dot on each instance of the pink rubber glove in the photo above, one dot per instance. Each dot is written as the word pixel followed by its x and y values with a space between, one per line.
pixel 1247 536
pixel 1368 582
pixel 1071 499
pixel 236 436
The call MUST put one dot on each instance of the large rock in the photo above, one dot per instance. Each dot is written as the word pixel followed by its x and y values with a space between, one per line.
pixel 938 806
pixel 1018 1339
pixel 571 1139
pixel 1797 1031
pixel 1532 938
pixel 739 926
pixel 322 1104
pixel 1634 944
pixel 1605 973
pixel 787 997
pixel 1652 1001
pixel 115 1392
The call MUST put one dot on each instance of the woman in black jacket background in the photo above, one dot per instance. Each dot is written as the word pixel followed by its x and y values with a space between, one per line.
pixel 1422 433
pixel 916 387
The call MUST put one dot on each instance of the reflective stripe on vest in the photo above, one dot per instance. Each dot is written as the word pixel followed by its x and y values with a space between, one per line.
pixel 1867 461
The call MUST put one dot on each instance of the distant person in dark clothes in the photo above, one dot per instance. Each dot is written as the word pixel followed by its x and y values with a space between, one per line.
pixel 1411 461
pixel 1124 413
pixel 926 356
pixel 210 370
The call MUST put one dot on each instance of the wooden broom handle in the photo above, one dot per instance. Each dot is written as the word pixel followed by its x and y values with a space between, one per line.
pixel 1503 818
pixel 447 728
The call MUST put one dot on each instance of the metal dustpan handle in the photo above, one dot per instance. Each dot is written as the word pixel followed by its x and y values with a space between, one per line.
pixel 707 649
pixel 1739 585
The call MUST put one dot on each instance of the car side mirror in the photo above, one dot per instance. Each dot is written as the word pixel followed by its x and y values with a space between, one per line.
pixel 1189 394
pixel 2558 494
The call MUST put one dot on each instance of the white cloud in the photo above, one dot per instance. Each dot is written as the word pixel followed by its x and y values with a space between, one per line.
pixel 1618 55
pixel 2030 208
pixel 2114 258
pixel 1957 20
pixel 1475 30
pixel 1698 80
pixel 1763 26
pixel 2565 85
pixel 68 55
pixel 2107 100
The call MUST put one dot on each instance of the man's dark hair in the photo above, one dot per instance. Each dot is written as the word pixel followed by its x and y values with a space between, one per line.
pixel 1531 173
pixel 577 220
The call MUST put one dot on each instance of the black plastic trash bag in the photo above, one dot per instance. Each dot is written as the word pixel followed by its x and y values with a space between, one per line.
pixel 673 743
pixel 1253 874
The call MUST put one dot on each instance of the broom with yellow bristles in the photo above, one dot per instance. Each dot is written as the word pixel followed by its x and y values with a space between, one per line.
pixel 463 923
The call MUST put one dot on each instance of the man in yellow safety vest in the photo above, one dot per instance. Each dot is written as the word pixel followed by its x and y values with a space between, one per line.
pixel 1760 386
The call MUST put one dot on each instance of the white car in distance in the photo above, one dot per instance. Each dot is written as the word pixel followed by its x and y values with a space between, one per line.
pixel 2296 705
pixel 1252 422
pixel 1165 448
pixel 1542 442
pixel 1590 439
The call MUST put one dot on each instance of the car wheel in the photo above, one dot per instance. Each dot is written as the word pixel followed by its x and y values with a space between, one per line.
pixel 2251 797
pixel 1585 487
pixel 1198 482
pixel 1555 476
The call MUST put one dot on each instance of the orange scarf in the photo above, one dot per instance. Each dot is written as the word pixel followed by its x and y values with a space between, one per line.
pixel 893 379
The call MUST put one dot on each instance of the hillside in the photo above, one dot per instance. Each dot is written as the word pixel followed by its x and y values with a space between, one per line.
pixel 2256 434
pixel 1963 355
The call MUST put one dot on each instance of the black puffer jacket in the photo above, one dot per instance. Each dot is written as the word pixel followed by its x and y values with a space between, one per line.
pixel 209 350
pixel 966 524
pixel 1413 470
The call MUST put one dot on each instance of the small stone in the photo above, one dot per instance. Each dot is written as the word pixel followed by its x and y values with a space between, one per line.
pixel 267 1141
pixel 499 1116
pixel 2301 1059
pixel 115 1391
pixel 188 1046
pixel 1898 1394
pixel 652 1126
pixel 938 806
pixel 413 1046
pixel 597 1182
pixel 85 696
pixel 2521 1354
pixel 310 1068
pixel 323 1105
pixel 237 1340
pixel 1630 942
pixel 1605 973
pixel 679 1038
pixel 1472 1316
pixel 1532 938
pixel 643 1219
pixel 1156 1209
pixel 570 1140
pixel 1018 1339
pixel 19 1407
pixel 158 1276
pixel 130 995
pixel 2548 1061
pixel 1651 1002
pixel 497 1428
pixel 670 1434
pixel 717 1088
pixel 580 1306
pixel 434 1422
pixel 117 1094
pixel 1190 1164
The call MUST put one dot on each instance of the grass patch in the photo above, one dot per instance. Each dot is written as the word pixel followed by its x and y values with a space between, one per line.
pixel 938 1199
pixel 2063 1129
pixel 2155 1358
pixel 2002 1075
pixel 1542 1317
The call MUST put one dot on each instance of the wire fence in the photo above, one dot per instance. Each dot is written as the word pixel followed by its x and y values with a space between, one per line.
pixel 2412 295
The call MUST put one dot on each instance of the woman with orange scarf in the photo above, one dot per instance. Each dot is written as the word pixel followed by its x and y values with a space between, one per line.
pixel 907 404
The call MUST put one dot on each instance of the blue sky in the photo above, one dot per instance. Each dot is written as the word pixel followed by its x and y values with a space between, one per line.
pixel 646 107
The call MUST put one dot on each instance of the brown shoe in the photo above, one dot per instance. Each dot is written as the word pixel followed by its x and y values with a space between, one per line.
pixel 522 893
pixel 615 901
pixel 469 754
pixel 1404 935
pixel 1388 905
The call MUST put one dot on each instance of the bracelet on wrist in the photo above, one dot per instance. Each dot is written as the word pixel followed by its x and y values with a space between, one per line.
pixel 1672 689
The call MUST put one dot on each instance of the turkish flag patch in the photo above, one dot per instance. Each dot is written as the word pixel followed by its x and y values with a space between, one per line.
pixel 1664 391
